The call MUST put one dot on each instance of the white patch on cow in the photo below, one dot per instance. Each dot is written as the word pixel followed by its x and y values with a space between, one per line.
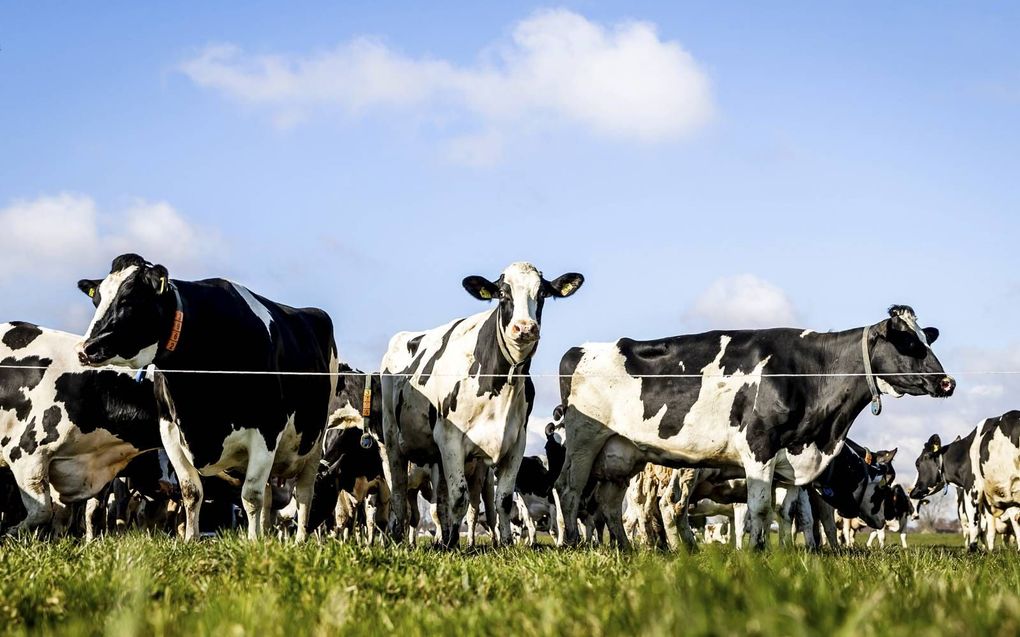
pixel 806 332
pixel 886 388
pixel 602 389
pixel 804 467
pixel 108 290
pixel 683 368
pixel 256 307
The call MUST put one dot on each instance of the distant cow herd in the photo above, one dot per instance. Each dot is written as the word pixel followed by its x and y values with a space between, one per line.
pixel 189 407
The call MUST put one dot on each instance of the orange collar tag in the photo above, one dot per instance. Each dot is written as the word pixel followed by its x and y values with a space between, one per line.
pixel 366 402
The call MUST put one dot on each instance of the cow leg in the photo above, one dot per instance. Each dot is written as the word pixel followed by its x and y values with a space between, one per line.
pixel 451 448
pixel 506 479
pixel 610 499
pixel 394 462
pixel 304 491
pixel 759 501
pixel 989 528
pixel 739 524
pixel 973 526
pixel 903 538
pixel 828 520
pixel 526 519
pixel 1014 521
pixel 32 475
pixel 585 439
pixel 92 512
pixel 254 489
pixel 187 477
pixel 805 520
pixel 488 500
pixel 474 502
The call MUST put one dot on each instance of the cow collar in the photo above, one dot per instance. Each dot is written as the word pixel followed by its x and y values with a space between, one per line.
pixel 505 351
pixel 177 325
pixel 876 396
pixel 366 412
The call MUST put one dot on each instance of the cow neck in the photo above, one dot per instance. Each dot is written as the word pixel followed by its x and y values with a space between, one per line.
pixel 841 397
pixel 829 478
pixel 505 350
pixel 957 453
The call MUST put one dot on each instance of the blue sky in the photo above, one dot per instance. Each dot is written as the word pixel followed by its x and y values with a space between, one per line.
pixel 732 166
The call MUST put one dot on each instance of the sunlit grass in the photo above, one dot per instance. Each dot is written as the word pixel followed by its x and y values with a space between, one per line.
pixel 141 585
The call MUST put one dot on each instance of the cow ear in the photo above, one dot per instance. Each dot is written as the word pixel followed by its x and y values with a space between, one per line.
pixel 934 443
pixel 158 277
pixel 89 287
pixel 932 334
pixel 884 457
pixel 563 286
pixel 480 288
pixel 550 428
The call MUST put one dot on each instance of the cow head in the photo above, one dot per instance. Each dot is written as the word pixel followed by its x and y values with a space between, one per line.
pixel 347 408
pixel 134 313
pixel 521 291
pixel 930 475
pixel 903 360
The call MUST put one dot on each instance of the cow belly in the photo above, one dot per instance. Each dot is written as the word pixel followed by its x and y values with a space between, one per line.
pixel 804 467
pixel 86 464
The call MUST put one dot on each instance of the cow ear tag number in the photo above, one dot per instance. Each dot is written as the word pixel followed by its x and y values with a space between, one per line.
pixel 485 294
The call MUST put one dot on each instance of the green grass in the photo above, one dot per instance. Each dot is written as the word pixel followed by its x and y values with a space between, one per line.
pixel 139 585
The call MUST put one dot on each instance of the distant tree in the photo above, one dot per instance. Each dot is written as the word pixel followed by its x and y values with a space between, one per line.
pixel 938 513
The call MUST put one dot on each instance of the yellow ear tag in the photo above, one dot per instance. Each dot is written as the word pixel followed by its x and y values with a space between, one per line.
pixel 485 294
pixel 92 293
pixel 934 448
pixel 566 289
pixel 162 284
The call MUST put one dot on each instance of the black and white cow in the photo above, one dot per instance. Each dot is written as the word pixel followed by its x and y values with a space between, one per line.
pixel 266 422
pixel 66 429
pixel 702 400
pixel 462 390
pixel 986 466
pixel 901 511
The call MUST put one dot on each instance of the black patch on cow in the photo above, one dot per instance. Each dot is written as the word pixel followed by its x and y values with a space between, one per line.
pixel 426 371
pixel 413 344
pixel 568 364
pixel 27 442
pixel 450 402
pixel 507 503
pixel 115 402
pixel 5 441
pixel 15 454
pixel 433 416
pixel 18 377
pixel 533 478
pixel 51 418
pixel 956 462
pixel 1008 423
pixel 21 335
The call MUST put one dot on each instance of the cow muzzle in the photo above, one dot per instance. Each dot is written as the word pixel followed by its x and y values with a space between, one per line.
pixel 946 387
pixel 524 332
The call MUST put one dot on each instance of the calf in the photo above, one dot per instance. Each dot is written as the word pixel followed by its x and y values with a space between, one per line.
pixel 463 391
pixel 267 420
pixel 776 402
pixel 66 429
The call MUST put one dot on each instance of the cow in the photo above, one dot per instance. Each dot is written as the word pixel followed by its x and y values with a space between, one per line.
pixel 533 490
pixel 985 464
pixel 65 428
pixel 463 391
pixel 901 512
pixel 777 402
pixel 241 382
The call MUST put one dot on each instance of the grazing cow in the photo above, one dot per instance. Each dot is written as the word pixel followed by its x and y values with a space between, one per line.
pixel 463 391
pixel 265 421
pixel 735 398
pixel 986 466
pixel 65 428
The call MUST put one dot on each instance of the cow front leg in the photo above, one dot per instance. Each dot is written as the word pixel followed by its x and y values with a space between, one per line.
pixel 681 486
pixel 804 519
pixel 187 477
pixel 506 479
pixel 759 501
pixel 93 512
pixel 255 487
pixel 739 524
pixel 972 516
pixel 451 449
pixel 584 440
pixel 525 514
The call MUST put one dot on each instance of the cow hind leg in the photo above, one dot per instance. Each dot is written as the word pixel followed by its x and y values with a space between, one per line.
pixel 585 439
pixel 254 489
pixel 32 475
pixel 610 498
pixel 739 524
pixel 187 477
pixel 759 502
pixel 304 489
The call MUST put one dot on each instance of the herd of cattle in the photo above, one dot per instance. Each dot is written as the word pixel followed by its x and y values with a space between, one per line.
pixel 241 411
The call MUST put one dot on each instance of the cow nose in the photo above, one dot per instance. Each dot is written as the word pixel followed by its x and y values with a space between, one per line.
pixel 525 330
pixel 83 358
pixel 947 386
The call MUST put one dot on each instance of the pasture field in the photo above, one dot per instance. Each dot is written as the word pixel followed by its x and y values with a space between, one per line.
pixel 139 585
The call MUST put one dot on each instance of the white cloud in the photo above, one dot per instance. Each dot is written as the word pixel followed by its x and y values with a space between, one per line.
pixel 621 81
pixel 68 236
pixel 742 301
